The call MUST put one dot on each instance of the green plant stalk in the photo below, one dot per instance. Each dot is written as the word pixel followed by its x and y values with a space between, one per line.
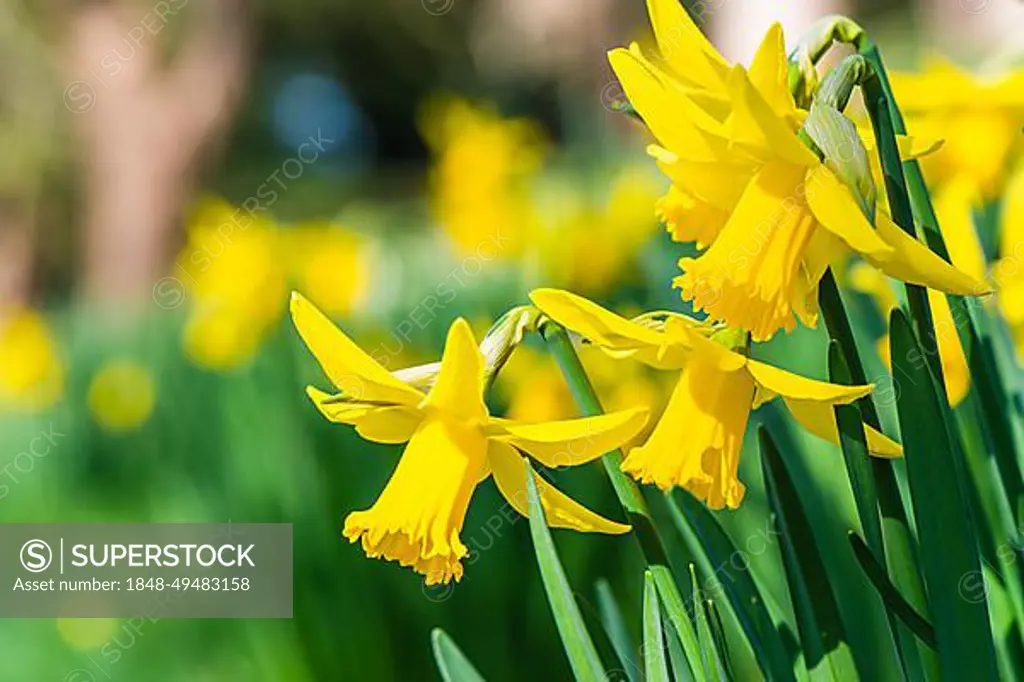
pixel 976 339
pixel 899 205
pixel 629 495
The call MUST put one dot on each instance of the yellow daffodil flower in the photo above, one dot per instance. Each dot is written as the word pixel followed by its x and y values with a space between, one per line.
pixel 453 446
pixel 978 117
pixel 782 214
pixel 696 444
pixel 31 372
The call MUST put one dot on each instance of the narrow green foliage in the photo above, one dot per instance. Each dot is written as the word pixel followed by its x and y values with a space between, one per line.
pixel 949 547
pixel 586 664
pixel 718 632
pixel 629 495
pixel 822 636
pixel 615 625
pixel 655 661
pixel 973 324
pixel 899 541
pixel 716 549
pixel 710 656
pixel 862 481
pixel 892 598
pixel 451 662
pixel 855 452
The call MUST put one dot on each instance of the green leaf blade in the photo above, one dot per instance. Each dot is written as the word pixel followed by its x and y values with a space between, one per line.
pixel 451 662
pixel 655 663
pixel 740 589
pixel 949 548
pixel 615 625
pixel 579 647
pixel 822 636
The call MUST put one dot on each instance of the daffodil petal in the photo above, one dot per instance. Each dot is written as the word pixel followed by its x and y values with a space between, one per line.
pixel 380 424
pixel 838 212
pixel 662 105
pixel 722 358
pixel 684 46
pixel 820 419
pixel 913 262
pixel 916 146
pixel 572 441
pixel 509 472
pixel 350 369
pixel 593 322
pixel 460 382
pixel 718 184
pixel 755 123
pixel 769 72
pixel 910 146
pixel 794 386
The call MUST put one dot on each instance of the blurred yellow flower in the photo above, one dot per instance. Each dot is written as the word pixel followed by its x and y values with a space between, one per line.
pixel 479 183
pixel 978 117
pixel 329 263
pixel 31 372
pixel 592 246
pixel 121 395
pixel 236 284
pixel 453 446
pixel 696 443
pixel 729 139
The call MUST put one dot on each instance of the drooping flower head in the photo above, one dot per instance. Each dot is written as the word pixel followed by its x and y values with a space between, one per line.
pixel 696 443
pixel 774 213
pixel 453 446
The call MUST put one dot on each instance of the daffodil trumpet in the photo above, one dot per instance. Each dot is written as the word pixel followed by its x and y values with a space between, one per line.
pixel 696 443
pixel 454 444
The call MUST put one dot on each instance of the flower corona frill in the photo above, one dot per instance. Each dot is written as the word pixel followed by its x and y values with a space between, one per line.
pixel 453 446
pixel 696 443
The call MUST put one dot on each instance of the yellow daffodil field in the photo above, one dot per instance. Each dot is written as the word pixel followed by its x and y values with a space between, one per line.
pixel 669 341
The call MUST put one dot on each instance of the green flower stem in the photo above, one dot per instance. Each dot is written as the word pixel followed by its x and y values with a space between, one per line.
pixel 975 335
pixel 899 204
pixel 630 497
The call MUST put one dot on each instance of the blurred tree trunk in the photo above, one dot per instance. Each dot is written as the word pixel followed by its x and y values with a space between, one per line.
pixel 29 112
pixel 737 26
pixel 976 29
pixel 142 123
pixel 17 251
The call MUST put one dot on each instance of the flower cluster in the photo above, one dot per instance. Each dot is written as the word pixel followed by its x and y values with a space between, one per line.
pixel 773 189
